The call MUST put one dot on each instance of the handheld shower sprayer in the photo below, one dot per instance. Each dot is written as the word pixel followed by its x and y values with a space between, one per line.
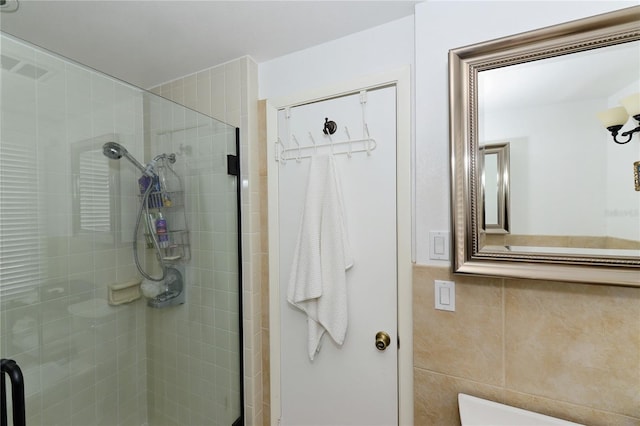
pixel 115 151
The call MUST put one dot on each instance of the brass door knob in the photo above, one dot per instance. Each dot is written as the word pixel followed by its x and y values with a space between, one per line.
pixel 382 340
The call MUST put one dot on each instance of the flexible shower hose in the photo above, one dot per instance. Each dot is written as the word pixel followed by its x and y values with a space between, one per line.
pixel 144 205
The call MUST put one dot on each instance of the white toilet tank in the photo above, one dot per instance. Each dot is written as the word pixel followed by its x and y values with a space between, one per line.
pixel 481 412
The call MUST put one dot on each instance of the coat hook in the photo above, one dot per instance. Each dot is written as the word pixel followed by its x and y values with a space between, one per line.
pixel 313 141
pixel 295 140
pixel 330 127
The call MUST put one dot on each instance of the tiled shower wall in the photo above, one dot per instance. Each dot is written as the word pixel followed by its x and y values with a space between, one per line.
pixel 229 93
pixel 569 350
pixel 84 361
pixel 193 349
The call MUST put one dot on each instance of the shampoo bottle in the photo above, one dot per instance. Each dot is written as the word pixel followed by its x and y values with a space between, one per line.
pixel 161 231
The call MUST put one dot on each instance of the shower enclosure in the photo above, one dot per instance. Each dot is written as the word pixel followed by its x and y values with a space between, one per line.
pixel 67 219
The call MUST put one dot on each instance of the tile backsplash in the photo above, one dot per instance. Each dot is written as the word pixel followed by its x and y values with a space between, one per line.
pixel 567 350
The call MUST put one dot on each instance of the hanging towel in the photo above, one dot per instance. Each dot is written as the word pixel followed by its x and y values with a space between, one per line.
pixel 318 282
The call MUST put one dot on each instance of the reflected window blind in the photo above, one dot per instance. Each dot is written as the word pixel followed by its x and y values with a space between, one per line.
pixel 20 251
pixel 93 191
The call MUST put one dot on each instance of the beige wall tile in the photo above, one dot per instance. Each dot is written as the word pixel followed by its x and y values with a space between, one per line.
pixel 177 91
pixel 214 89
pixel 466 343
pixel 265 292
pixel 570 350
pixel 567 411
pixel 538 240
pixel 436 397
pixel 218 93
pixel 203 83
pixel 233 84
pixel 583 338
pixel 190 92
pixel 621 243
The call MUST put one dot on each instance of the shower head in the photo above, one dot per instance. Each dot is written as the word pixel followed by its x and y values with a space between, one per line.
pixel 9 6
pixel 115 151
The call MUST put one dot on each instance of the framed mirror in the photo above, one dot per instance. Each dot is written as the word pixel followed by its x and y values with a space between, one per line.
pixel 574 213
pixel 494 187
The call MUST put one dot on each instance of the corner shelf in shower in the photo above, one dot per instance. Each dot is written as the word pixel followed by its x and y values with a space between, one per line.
pixel 171 205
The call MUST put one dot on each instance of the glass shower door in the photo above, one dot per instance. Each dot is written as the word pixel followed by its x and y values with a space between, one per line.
pixel 67 215
pixel 193 352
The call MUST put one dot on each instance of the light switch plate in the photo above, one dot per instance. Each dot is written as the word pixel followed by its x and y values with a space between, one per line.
pixel 439 245
pixel 445 295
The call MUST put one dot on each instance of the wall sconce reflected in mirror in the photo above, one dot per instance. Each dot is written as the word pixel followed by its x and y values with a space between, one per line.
pixel 614 118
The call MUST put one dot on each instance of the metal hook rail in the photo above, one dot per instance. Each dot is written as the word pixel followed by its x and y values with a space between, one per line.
pixel 347 147
pixel 298 151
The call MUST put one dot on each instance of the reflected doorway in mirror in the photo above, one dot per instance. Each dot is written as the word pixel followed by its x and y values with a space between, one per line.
pixel 494 187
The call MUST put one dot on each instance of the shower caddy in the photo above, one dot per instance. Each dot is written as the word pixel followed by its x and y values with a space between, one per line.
pixel 170 206
pixel 168 203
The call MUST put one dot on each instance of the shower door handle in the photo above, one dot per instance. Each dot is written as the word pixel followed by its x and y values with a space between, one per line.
pixel 10 367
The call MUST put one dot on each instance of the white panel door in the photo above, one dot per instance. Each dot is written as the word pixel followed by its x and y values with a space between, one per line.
pixel 352 384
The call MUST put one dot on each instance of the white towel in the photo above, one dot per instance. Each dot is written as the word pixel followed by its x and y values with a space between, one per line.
pixel 318 282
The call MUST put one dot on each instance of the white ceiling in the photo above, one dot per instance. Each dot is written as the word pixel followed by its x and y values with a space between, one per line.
pixel 147 43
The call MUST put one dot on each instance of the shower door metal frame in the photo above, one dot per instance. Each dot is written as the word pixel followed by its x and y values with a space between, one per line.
pixel 235 170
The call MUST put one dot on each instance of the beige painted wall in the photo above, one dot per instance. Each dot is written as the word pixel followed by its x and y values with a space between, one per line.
pixel 567 350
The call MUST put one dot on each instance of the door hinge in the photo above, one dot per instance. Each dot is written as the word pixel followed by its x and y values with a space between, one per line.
pixel 233 168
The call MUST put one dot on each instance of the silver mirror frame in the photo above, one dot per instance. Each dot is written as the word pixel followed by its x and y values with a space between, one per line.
pixel 608 29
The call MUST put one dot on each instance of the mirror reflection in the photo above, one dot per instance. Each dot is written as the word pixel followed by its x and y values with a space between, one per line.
pixel 495 188
pixel 571 185
pixel 95 190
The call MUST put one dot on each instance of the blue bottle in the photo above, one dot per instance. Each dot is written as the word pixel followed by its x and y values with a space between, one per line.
pixel 162 232
pixel 154 200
